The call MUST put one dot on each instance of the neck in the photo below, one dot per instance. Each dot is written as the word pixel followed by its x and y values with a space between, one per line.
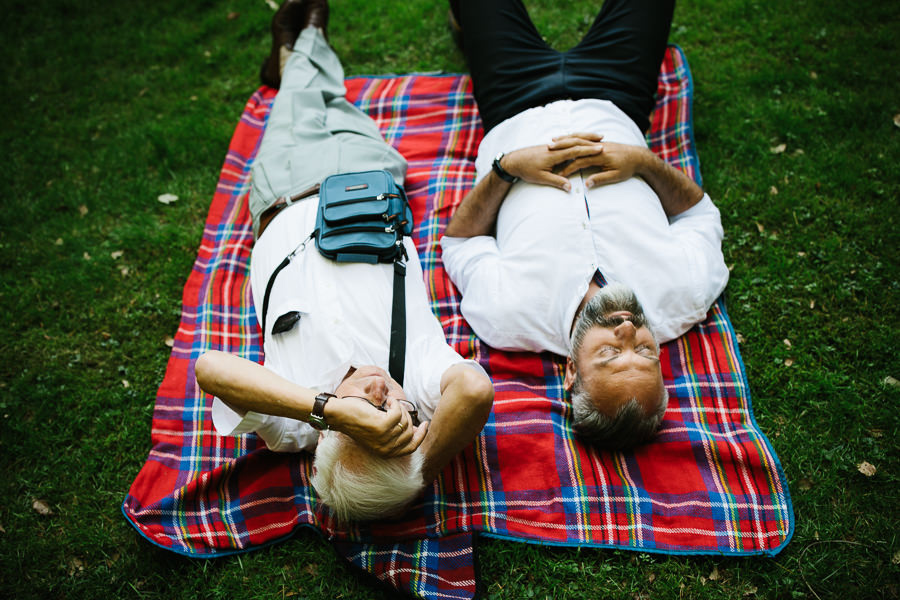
pixel 592 290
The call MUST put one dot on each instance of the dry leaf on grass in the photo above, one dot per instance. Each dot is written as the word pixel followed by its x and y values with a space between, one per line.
pixel 890 382
pixel 272 4
pixel 82 210
pixel 805 484
pixel 167 198
pixel 59 241
pixel 788 362
pixel 897 119
pixel 866 468
pixel 76 565
pixel 778 149
pixel 42 508
pixel 170 341
pixel 714 576
pixel 117 254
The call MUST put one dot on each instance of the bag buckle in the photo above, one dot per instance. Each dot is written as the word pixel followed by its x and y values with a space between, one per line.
pixel 402 248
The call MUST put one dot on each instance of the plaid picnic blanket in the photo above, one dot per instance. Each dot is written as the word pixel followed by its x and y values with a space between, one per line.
pixel 709 484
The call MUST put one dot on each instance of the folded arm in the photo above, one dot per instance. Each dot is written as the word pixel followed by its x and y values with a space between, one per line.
pixel 477 213
pixel 618 162
pixel 248 386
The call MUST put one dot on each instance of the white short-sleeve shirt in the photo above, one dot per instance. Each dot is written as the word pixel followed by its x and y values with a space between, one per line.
pixel 345 322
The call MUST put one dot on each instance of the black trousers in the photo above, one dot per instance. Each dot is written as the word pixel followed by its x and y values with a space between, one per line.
pixel 513 69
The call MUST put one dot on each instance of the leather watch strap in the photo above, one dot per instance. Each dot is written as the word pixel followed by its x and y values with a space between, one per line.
pixel 317 416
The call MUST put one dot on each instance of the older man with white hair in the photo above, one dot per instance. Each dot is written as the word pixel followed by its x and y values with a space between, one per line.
pixel 324 387
pixel 568 197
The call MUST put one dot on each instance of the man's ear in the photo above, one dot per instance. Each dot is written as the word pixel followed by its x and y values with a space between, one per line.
pixel 571 373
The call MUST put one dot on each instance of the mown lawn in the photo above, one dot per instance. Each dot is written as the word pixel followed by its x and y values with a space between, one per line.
pixel 109 105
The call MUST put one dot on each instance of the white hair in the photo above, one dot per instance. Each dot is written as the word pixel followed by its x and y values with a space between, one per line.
pixel 360 486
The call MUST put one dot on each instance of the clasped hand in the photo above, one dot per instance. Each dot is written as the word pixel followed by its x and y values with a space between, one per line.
pixel 553 163
pixel 369 410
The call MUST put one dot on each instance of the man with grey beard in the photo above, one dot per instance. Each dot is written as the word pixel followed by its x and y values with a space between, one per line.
pixel 568 197
pixel 629 386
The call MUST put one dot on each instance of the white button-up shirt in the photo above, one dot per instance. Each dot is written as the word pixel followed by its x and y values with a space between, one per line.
pixel 345 321
pixel 521 289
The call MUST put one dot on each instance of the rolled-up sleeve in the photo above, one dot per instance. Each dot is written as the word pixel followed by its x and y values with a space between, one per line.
pixel 699 230
pixel 469 261
pixel 474 266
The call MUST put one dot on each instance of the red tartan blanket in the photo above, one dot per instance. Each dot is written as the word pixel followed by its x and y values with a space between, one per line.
pixel 710 483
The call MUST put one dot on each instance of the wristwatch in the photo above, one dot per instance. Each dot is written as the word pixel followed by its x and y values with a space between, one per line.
pixel 501 172
pixel 317 416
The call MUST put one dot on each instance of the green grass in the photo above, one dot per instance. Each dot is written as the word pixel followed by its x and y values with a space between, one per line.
pixel 110 105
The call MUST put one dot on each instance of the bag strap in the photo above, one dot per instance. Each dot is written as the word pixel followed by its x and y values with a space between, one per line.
pixel 287 260
pixel 397 355
pixel 284 263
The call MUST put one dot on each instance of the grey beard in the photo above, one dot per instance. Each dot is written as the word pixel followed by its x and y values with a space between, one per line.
pixel 615 297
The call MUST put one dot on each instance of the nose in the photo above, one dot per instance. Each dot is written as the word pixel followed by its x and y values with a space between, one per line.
pixel 378 387
pixel 625 330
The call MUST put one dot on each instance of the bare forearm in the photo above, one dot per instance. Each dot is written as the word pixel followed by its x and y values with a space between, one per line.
pixel 466 399
pixel 676 191
pixel 248 386
pixel 477 213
